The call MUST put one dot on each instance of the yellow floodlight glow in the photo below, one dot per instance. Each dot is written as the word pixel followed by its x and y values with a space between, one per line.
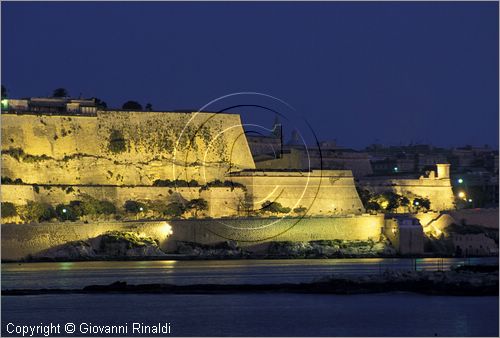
pixel 461 194
pixel 166 230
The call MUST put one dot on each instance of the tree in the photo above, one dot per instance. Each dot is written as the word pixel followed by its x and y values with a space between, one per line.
pixel 134 207
pixel 300 210
pixel 421 203
pixel 132 105
pixel 65 213
pixel 149 107
pixel 37 212
pixel 60 92
pixel 8 209
pixel 274 207
pixel 4 92
pixel 197 204
pixel 100 103
pixel 174 209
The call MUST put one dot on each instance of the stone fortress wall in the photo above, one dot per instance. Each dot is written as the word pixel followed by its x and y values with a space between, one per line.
pixel 436 187
pixel 21 240
pixel 75 150
pixel 222 201
pixel 321 192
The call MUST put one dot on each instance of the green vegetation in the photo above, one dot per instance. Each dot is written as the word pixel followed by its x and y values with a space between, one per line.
pixel 20 155
pixel 173 210
pixel 36 212
pixel 221 184
pixel 421 204
pixel 274 208
pixel 8 209
pixel 197 204
pixel 132 105
pixel 8 180
pixel 175 183
pixel 300 210
pixel 117 143
pixel 60 92
pixel 134 207
pixel 389 201
pixel 129 239
pixel 67 212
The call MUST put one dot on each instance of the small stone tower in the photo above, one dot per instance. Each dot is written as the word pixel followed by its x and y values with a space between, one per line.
pixel 443 171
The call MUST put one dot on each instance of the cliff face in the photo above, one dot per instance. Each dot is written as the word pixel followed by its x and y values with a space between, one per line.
pixel 122 147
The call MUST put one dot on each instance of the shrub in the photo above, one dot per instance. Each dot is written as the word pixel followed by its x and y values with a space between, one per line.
pixel 197 204
pixel 106 207
pixel 117 142
pixel 92 206
pixel 37 212
pixel 300 210
pixel 134 207
pixel 274 207
pixel 66 212
pixel 174 209
pixel 8 209
pixel 421 203
pixel 220 184
pixel 175 183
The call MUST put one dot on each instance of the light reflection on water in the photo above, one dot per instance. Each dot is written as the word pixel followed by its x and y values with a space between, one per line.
pixel 79 274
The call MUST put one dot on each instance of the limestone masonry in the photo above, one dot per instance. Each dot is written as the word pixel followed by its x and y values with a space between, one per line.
pixel 119 156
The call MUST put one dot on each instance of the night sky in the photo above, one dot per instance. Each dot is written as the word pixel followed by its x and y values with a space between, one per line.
pixel 360 73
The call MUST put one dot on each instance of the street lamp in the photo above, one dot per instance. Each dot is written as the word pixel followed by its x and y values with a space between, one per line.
pixel 461 194
pixel 460 180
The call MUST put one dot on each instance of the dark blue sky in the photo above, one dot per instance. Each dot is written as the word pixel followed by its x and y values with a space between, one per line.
pixel 358 72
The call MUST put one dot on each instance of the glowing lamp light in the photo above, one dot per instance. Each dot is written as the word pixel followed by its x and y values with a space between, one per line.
pixel 461 194
pixel 396 169
pixel 417 203
pixel 141 209
pixel 64 211
pixel 470 200
pixel 460 180
pixel 166 230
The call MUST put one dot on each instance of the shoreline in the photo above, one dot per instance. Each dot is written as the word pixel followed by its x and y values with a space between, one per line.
pixel 182 257
pixel 471 281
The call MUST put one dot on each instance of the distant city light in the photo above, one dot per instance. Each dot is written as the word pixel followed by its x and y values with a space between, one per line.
pixel 395 169
pixel 460 181
pixel 461 194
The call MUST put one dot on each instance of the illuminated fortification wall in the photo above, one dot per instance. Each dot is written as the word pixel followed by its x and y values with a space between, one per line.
pixel 122 147
pixel 436 187
pixel 322 192
pixel 20 240
pixel 221 201
pixel 438 191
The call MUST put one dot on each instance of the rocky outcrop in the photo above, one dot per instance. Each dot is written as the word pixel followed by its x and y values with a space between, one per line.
pixel 111 245
pixel 223 250
pixel 331 249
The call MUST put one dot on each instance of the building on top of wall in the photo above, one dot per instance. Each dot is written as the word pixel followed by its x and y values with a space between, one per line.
pixel 269 152
pixel 50 105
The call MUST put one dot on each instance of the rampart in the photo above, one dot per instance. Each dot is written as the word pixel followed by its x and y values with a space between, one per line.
pixel 222 201
pixel 20 240
pixel 437 190
pixel 122 147
pixel 321 192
